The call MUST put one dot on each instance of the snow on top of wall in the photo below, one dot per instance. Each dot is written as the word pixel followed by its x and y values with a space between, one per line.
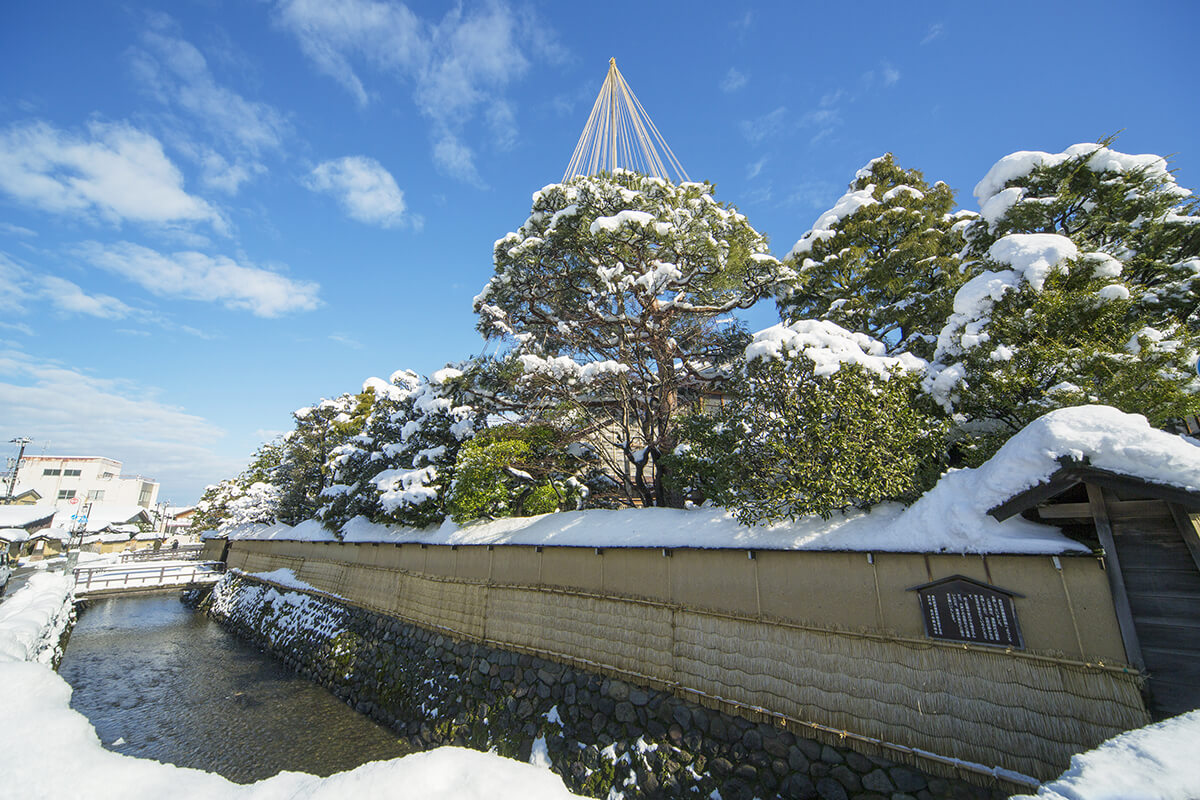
pixel 1157 762
pixel 829 346
pixel 950 518
pixel 849 203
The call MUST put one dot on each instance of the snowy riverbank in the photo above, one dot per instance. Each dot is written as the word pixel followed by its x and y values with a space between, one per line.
pixel 40 733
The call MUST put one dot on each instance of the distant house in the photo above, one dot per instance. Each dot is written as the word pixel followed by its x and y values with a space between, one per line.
pixel 18 523
pixel 29 497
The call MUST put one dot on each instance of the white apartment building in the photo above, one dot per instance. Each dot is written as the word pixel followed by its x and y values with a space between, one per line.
pixel 61 479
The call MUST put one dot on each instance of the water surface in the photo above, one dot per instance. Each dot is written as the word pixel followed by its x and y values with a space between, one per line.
pixel 158 680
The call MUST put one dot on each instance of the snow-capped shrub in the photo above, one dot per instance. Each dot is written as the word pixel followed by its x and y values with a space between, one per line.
pixel 822 420
pixel 514 471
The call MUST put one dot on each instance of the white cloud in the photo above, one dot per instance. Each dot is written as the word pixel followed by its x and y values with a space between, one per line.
pixel 935 32
pixel 768 126
pixel 67 408
pixel 366 190
pixel 219 174
pixel 196 276
pixel 16 230
pixel 890 74
pixel 178 74
pixel 733 80
pixel 344 339
pixel 67 296
pixel 456 66
pixel 455 158
pixel 117 173
pixel 753 170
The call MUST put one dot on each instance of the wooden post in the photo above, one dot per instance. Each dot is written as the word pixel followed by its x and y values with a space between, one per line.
pixel 1133 650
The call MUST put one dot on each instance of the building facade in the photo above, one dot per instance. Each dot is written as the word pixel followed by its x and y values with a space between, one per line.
pixel 60 479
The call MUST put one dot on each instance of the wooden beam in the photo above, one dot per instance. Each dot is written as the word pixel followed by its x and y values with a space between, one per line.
pixel 1116 582
pixel 1187 529
pixel 1117 509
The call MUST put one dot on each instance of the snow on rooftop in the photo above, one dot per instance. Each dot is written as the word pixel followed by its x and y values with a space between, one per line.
pixel 23 516
pixel 1157 762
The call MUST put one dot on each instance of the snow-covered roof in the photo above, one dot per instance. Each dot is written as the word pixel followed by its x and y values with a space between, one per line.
pixel 13 535
pixel 24 516
pixel 950 518
pixel 101 516
pixel 61 534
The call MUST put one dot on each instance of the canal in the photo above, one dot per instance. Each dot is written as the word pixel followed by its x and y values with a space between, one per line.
pixel 159 680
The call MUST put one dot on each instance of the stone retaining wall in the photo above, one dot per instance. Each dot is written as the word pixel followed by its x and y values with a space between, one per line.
pixel 601 734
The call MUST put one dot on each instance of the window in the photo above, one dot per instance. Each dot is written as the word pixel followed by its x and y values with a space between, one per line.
pixel 72 473
pixel 144 497
pixel 66 494
pixel 95 494
pixel 51 472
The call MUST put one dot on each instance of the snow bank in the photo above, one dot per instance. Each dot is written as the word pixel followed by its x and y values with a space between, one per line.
pixel 33 620
pixel 1157 762
pixel 38 729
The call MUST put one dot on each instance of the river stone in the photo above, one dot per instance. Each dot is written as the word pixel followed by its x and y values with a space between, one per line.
pixel 720 766
pixel 747 772
pixel 752 740
pixel 682 715
pixel 858 762
pixel 547 677
pixel 638 697
pixel 617 690
pixel 811 748
pixel 798 787
pixel 846 777
pixel 908 780
pixel 831 756
pixel 736 789
pixel 625 712
pixel 775 743
pixel 878 781
pixel 829 789
pixel 797 760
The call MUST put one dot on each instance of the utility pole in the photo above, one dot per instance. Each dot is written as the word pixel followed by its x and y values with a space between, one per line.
pixel 20 441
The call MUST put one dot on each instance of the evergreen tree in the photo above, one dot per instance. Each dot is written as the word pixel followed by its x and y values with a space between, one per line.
pixel 1126 206
pixel 615 295
pixel 883 261
pixel 1085 272
pixel 304 471
pixel 400 467
pixel 514 471
pixel 821 421
pixel 250 497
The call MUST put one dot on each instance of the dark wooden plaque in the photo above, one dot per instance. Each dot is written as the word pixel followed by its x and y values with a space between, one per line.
pixel 960 609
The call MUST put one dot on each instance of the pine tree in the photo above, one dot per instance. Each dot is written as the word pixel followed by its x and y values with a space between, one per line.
pixel 821 421
pixel 883 261
pixel 304 472
pixel 1126 206
pixel 615 295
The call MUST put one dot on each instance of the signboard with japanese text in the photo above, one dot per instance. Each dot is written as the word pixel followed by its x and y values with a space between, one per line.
pixel 959 609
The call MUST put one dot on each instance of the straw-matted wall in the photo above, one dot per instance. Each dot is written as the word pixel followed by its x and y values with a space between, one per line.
pixel 830 639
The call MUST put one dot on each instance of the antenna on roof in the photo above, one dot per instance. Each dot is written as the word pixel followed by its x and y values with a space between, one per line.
pixel 620 135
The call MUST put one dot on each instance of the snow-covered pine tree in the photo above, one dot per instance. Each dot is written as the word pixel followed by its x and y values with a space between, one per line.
pixel 304 472
pixel 1083 291
pixel 616 294
pixel 400 467
pixel 822 420
pixel 1127 206
pixel 250 497
pixel 883 261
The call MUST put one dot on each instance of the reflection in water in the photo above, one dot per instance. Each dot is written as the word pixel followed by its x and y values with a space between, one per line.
pixel 178 688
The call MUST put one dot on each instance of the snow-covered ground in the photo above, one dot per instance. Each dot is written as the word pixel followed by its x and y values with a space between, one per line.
pixel 950 518
pixel 52 751
pixel 1157 762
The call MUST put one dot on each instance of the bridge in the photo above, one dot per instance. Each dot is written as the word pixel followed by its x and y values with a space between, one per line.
pixel 113 579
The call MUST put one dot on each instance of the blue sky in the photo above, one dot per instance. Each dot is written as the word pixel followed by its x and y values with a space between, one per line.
pixel 213 213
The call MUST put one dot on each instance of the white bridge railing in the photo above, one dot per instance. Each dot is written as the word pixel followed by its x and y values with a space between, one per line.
pixel 130 577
